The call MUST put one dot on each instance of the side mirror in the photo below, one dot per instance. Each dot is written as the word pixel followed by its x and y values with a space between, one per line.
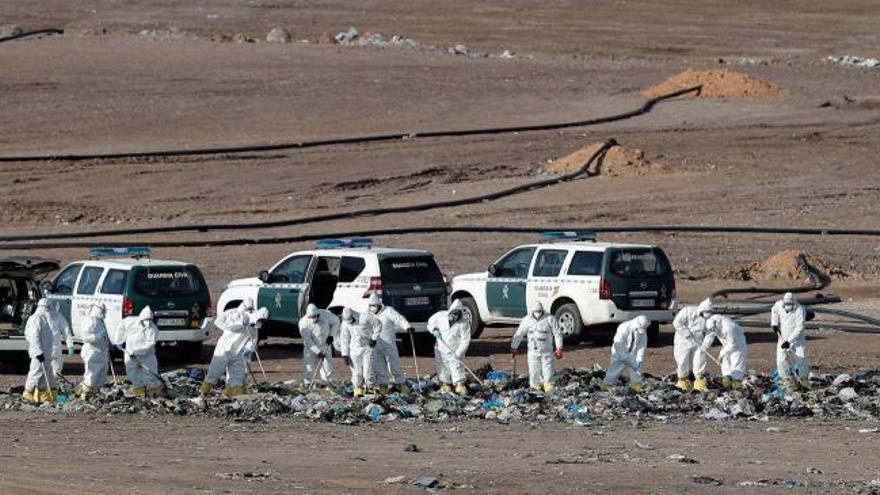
pixel 47 287
pixel 493 270
pixel 263 276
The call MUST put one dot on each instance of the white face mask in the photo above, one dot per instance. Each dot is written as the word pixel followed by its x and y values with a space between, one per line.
pixel 374 309
pixel 788 307
pixel 537 314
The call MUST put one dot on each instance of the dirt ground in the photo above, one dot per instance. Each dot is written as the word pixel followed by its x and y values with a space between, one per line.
pixel 168 74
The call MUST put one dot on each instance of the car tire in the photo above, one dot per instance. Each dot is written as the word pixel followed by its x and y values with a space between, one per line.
pixel 654 334
pixel 570 322
pixel 470 306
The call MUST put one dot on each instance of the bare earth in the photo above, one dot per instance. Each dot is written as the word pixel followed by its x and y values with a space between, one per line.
pixel 805 157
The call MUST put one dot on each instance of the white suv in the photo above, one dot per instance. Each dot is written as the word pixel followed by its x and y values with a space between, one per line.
pixel 343 272
pixel 583 282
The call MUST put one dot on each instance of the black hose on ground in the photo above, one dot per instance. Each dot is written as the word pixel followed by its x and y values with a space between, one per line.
pixel 32 33
pixel 370 138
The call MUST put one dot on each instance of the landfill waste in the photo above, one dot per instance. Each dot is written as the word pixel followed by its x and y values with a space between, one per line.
pixel 278 35
pixel 707 480
pixel 854 61
pixel 7 30
pixel 427 482
pixel 578 399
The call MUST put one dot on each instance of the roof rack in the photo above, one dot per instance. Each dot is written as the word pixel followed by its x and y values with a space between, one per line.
pixel 136 252
pixel 354 242
pixel 569 235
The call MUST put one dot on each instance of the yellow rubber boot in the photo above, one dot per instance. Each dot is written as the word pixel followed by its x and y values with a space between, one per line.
pixel 606 386
pixel 139 392
pixel 206 388
pixel 235 391
pixel 384 389
pixel 404 389
pixel 31 396
pixel 460 389
pixel 549 388
pixel 701 384
pixel 637 386
pixel 446 388
pixel 86 393
pixel 683 383
pixel 358 392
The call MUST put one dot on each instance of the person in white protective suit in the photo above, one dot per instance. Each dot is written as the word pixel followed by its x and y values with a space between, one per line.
pixel 139 347
pixel 38 333
pixel 95 351
pixel 354 345
pixel 61 335
pixel 544 341
pixel 690 326
pixel 232 350
pixel 628 352
pixel 319 329
pixel 384 343
pixel 734 354
pixel 452 333
pixel 787 319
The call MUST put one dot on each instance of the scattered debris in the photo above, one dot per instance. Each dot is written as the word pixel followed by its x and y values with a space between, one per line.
pixel 248 476
pixel 394 480
pixel 707 480
pixel 854 61
pixel 459 49
pixel 411 447
pixel 348 36
pixel 619 161
pixel 7 30
pixel 682 459
pixel 717 84
pixel 278 35
pixel 507 54
pixel 427 482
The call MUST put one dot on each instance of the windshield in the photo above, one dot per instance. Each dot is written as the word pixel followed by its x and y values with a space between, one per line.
pixel 410 270
pixel 168 281
pixel 643 262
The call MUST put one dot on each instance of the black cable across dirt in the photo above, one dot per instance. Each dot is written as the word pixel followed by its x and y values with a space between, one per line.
pixel 370 138
pixel 32 33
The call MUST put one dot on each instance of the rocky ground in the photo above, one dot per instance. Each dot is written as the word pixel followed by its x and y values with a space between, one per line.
pixel 783 136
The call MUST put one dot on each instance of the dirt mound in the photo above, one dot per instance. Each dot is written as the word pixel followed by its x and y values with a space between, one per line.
pixel 619 161
pixel 717 84
pixel 793 266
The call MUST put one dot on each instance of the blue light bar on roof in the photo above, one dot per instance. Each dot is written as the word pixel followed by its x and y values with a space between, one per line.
pixel 133 252
pixel 354 242
pixel 571 235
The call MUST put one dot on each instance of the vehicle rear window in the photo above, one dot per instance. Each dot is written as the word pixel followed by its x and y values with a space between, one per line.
pixel 350 268
pixel 88 281
pixel 114 282
pixel 638 263
pixel 409 270
pixel 586 263
pixel 169 281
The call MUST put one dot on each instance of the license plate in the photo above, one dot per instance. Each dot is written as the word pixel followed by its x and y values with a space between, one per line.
pixel 416 301
pixel 643 303
pixel 171 322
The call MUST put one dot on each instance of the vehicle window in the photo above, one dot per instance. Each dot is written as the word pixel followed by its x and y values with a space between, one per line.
pixel 64 282
pixel 167 281
pixel 88 282
pixel 409 270
pixel 586 263
pixel 638 263
pixel 8 300
pixel 291 271
pixel 350 268
pixel 515 264
pixel 114 282
pixel 549 262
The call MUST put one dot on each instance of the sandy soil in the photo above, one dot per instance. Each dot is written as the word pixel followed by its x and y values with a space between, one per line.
pixel 805 158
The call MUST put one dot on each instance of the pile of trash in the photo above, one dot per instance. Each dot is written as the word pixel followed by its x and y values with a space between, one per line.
pixel 579 399
pixel 852 60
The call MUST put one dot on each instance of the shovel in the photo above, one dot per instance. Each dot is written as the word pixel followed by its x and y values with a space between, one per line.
pixel 412 343
pixel 469 370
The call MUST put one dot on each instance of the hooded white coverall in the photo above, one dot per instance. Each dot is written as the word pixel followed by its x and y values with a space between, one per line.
pixel 690 328
pixel 544 336
pixel 734 348
pixel 354 342
pixel 95 352
pixel 385 355
pixel 140 335
pixel 38 333
pixel 229 354
pixel 627 352
pixel 791 330
pixel 451 344
pixel 61 335
pixel 314 333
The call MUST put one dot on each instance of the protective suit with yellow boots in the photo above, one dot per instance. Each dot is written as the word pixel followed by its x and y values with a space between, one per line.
pixel 40 384
pixel 95 351
pixel 139 348
pixel 628 352
pixel 233 349
pixel 734 349
pixel 354 345
pixel 690 327
pixel 319 329
pixel 452 336
pixel 544 342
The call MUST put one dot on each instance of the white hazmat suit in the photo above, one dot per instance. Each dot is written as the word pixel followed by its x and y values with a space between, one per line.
pixel 386 357
pixel 734 354
pixel 319 329
pixel 541 329
pixel 452 333
pixel 354 343
pixel 95 351
pixel 38 332
pixel 690 327
pixel 787 318
pixel 239 338
pixel 61 335
pixel 141 367
pixel 628 352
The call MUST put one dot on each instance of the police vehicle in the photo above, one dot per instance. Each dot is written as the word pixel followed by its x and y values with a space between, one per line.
pixel 344 272
pixel 176 292
pixel 20 290
pixel 583 282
